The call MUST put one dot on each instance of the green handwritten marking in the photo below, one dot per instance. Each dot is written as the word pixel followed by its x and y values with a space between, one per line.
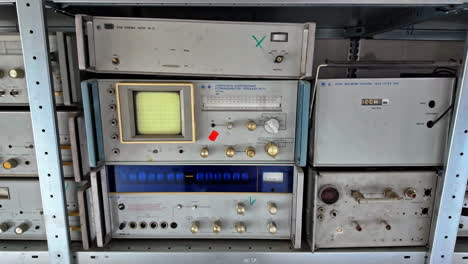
pixel 66 186
pixel 252 201
pixel 259 42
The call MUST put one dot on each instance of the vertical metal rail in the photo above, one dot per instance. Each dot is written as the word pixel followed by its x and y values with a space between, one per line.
pixel 452 185
pixel 34 39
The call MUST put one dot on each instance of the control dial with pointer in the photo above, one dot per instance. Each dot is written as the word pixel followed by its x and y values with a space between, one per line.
pixel 272 126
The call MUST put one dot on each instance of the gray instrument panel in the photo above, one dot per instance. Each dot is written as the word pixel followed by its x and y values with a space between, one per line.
pixel 380 218
pixel 217 108
pixel 209 215
pixel 65 75
pixel 21 210
pixel 17 153
pixel 192 47
pixel 381 122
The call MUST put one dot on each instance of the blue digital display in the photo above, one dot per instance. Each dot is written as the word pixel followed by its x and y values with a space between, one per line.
pixel 190 178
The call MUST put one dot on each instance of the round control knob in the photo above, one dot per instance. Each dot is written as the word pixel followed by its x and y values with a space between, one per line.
pixel 272 227
pixel 16 73
pixel 272 208
pixel 272 126
pixel 21 228
pixel 204 153
pixel 217 226
pixel 250 151
pixel 10 164
pixel 240 227
pixel 272 149
pixel 14 92
pixel 251 125
pixel 240 208
pixel 4 227
pixel 230 152
pixel 229 125
pixel 195 227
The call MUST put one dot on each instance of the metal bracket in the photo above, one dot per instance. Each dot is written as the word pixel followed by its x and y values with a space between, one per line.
pixel 451 187
pixel 34 39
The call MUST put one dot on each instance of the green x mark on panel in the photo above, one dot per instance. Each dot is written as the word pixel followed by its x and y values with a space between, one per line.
pixel 259 42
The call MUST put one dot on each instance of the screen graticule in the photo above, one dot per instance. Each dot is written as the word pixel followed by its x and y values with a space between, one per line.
pixel 158 113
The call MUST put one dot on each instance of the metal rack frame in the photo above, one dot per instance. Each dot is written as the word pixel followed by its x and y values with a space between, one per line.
pixel 33 30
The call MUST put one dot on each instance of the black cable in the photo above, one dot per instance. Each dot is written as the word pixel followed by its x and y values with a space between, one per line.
pixel 433 122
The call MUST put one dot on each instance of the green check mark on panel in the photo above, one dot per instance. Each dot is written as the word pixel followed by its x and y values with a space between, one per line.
pixel 252 201
pixel 259 42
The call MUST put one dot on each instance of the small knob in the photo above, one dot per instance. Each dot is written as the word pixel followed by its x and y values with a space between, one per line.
pixel 16 73
pixel 229 125
pixel 195 227
pixel 10 164
pixel 387 226
pixel 272 126
pixel 240 208
pixel 251 125
pixel 250 151
pixel 204 152
pixel 4 227
pixel 272 227
pixel 240 227
pixel 390 194
pixel 410 193
pixel 272 149
pixel 217 226
pixel 272 208
pixel 230 152
pixel 21 228
pixel 14 92
pixel 357 226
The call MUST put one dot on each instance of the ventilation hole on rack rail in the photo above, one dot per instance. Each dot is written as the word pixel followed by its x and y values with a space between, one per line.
pixel 407 257
pixel 148 248
pixel 0 206
pixel 425 211
pixel 450 217
pixel 37 83
pixel 129 247
pixel 21 212
pixel 37 227
pixel 48 174
pixel 34 256
pixel 93 257
pixel 10 146
pixel 209 248
pixel 31 31
pixel 250 247
pixel 28 4
pixel 445 237
pixel 51 196
pixel 169 248
pixel 43 130
pixel 34 57
pixel 442 256
pixel 453 196
pixel 461 154
pixel 189 247
pixel 53 216
pixel 229 247
pixel 47 153
pixel 56 236
pixel 27 162
pixel 40 107
pixel 58 255
pixel 466 131
pixel 270 248
pixel 458 175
